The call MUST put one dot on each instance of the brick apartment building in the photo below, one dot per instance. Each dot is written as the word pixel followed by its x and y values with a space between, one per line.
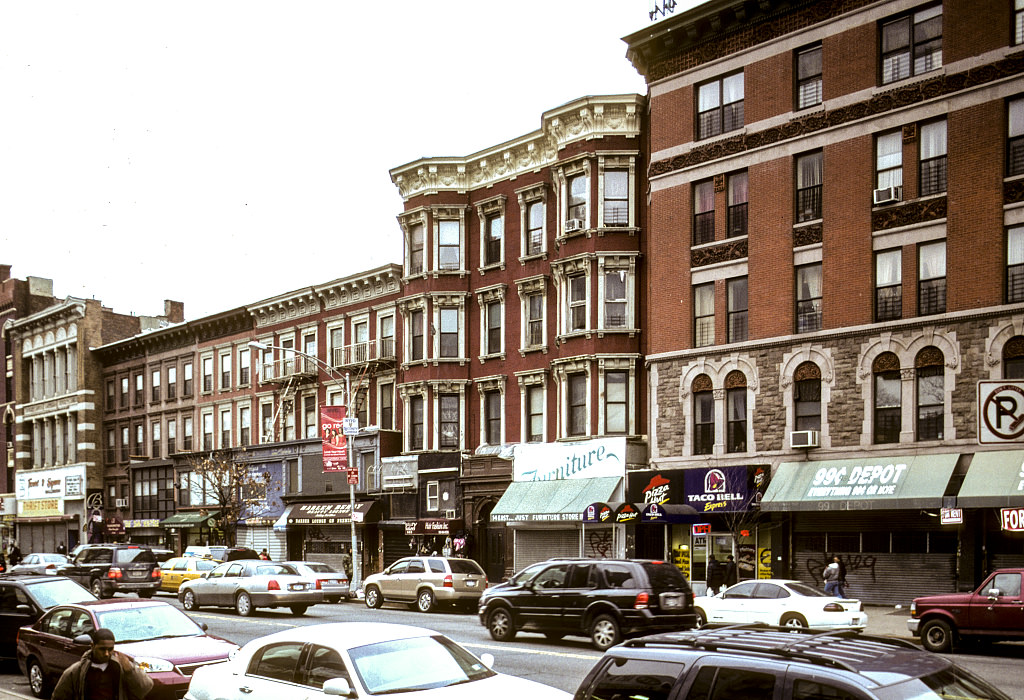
pixel 834 256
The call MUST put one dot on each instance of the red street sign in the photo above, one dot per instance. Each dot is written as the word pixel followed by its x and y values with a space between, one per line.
pixel 702 528
pixel 353 475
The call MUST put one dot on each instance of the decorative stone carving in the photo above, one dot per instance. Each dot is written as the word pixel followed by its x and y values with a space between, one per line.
pixel 908 213
pixel 723 252
pixel 807 235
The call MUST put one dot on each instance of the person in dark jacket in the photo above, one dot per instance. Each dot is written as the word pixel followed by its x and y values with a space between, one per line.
pixel 716 575
pixel 730 571
pixel 841 585
pixel 15 556
pixel 103 674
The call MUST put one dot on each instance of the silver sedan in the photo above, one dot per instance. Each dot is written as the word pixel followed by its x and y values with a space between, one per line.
pixel 39 563
pixel 249 584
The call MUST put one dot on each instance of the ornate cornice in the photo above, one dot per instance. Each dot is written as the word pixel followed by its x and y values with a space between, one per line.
pixel 726 251
pixel 383 281
pixel 897 98
pixel 582 119
pixel 909 213
pixel 807 235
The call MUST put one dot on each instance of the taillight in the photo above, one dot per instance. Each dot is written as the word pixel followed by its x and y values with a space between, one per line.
pixel 449 582
pixel 641 601
pixel 833 607
pixel 273 585
pixel 51 566
pixel 114 572
pixel 157 573
pixel 319 584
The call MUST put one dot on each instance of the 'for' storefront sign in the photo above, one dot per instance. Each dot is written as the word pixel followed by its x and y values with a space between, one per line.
pixel 1012 519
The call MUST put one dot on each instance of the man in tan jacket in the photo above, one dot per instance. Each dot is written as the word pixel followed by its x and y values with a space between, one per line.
pixel 103 674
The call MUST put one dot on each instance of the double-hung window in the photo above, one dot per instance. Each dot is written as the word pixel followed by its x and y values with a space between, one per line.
pixel 416 249
pixel 244 426
pixel 386 405
pixel 737 316
pixel 1018 22
pixel 737 220
pixel 615 303
pixel 154 440
pixel 933 158
pixel 186 430
pixel 720 106
pixel 207 374
pixel 578 190
pixel 207 431
pixel 225 371
pixel 449 320
pixel 703 417
pixel 416 335
pixel 704 315
pixel 889 160
pixel 808 298
pixel 493 240
pixel 186 390
pixel 492 417
pixel 616 198
pixel 448 244
pixel 577 404
pixel 154 385
pixel 535 413
pixel 912 44
pixel 416 418
pixel 930 378
pixel 809 176
pixel 808 77
pixel 736 419
pixel 535 228
pixel 1015 137
pixel 451 427
pixel 888 400
pixel 225 428
pixel 616 406
pixel 244 366
pixel 577 303
pixel 172 436
pixel 1015 265
pixel 889 285
pixel 704 212
pixel 124 391
pixel 140 389
pixel 807 398
pixel 535 319
pixel 931 278
pixel 494 325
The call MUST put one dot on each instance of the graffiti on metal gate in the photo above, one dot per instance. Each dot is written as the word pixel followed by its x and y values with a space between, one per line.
pixel 854 562
pixel 599 544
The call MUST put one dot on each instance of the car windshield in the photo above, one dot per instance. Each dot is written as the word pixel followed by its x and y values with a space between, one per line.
pixel 465 566
pixel 952 683
pixel 149 622
pixel 132 555
pixel 528 573
pixel 60 591
pixel 805 590
pixel 419 663
pixel 665 576
pixel 320 568
pixel 59 558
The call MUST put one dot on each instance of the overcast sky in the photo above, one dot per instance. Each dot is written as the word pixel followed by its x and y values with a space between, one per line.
pixel 219 153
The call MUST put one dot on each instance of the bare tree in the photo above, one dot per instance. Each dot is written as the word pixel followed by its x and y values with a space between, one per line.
pixel 219 480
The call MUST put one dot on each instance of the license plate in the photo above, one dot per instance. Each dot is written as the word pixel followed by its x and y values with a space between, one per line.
pixel 296 586
pixel 334 582
pixel 471 584
pixel 855 620
pixel 672 603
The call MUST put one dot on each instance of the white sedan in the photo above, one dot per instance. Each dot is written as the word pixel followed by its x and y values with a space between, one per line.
pixel 359 660
pixel 780 602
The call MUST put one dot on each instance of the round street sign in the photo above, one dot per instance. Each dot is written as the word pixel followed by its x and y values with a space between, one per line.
pixel 1000 411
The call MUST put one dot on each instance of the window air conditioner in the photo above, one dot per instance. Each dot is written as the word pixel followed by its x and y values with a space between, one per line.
pixel 573 225
pixel 804 438
pixel 450 514
pixel 888 195
pixel 120 502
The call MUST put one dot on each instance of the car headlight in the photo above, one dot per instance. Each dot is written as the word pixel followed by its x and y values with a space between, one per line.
pixel 152 664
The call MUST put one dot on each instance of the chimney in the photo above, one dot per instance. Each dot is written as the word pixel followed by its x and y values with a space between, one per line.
pixel 174 311
pixel 5 273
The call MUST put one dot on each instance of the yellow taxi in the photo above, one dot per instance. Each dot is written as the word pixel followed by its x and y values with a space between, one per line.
pixel 180 569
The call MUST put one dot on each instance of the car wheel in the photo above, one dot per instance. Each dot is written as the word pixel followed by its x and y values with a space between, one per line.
pixel 298 609
pixel 97 588
pixel 937 636
pixel 795 621
pixel 499 624
pixel 604 632
pixel 373 597
pixel 702 619
pixel 38 682
pixel 146 594
pixel 189 601
pixel 243 604
pixel 425 601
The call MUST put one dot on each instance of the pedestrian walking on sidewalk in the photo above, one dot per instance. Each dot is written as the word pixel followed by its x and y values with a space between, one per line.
pixel 841 585
pixel 831 576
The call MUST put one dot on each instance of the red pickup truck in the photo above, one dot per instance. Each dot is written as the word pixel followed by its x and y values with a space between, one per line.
pixel 993 612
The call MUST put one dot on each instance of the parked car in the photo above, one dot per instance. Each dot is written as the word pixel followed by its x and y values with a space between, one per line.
pixel 360 660
pixel 162 555
pixel 780 602
pixel 164 641
pixel 107 569
pixel 604 599
pixel 426 582
pixel 334 584
pixel 180 569
pixel 25 597
pixel 992 612
pixel 784 663
pixel 39 563
pixel 249 584
pixel 220 552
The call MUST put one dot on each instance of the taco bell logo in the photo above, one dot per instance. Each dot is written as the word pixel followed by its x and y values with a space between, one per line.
pixel 590 512
pixel 714 481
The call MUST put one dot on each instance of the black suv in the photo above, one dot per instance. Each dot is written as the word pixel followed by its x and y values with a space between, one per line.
pixel 115 568
pixel 604 599
pixel 783 663
pixel 25 597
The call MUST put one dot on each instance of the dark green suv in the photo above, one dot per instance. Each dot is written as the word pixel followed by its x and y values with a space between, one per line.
pixel 604 599
pixel 106 569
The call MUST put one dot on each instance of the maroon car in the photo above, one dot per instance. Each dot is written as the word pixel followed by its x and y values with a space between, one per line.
pixel 168 644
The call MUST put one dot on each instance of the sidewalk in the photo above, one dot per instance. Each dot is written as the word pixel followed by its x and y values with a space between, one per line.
pixel 888 621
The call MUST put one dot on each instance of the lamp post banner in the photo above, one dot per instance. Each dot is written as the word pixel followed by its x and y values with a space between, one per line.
pixel 335 454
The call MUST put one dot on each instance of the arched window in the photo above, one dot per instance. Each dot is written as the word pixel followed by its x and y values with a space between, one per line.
pixel 1013 358
pixel 703 416
pixel 736 412
pixel 930 395
pixel 807 397
pixel 886 370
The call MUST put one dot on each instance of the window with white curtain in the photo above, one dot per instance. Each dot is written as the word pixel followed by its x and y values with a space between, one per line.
pixel 448 248
pixel 615 298
pixel 1015 264
pixel 704 314
pixel 933 158
pixel 808 298
pixel 912 44
pixel 720 106
pixel 808 77
pixel 416 249
pixel 1015 137
pixel 889 285
pixel 737 214
pixel 809 175
pixel 703 212
pixel 931 278
pixel 889 160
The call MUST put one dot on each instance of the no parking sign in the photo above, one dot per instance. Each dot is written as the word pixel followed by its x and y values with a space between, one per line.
pixel 1000 412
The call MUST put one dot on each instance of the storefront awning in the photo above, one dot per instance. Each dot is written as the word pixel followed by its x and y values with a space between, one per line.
pixel 670 513
pixel 613 512
pixel 281 523
pixel 994 480
pixel 556 500
pixel 194 519
pixel 331 513
pixel 872 483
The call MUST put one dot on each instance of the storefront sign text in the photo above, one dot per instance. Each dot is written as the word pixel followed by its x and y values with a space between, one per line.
pixel 41 507
pixel 861 480
pixel 577 460
pixel 50 483
pixel 1012 519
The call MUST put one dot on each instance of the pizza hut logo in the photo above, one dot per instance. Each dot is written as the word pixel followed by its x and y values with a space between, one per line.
pixel 657 491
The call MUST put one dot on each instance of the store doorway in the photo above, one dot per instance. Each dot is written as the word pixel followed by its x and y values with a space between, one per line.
pixel 716 544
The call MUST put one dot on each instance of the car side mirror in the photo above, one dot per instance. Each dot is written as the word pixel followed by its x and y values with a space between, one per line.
pixel 24 609
pixel 338 686
pixel 994 593
pixel 83 639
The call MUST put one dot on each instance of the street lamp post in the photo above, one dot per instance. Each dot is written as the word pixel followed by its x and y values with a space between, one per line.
pixel 335 376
